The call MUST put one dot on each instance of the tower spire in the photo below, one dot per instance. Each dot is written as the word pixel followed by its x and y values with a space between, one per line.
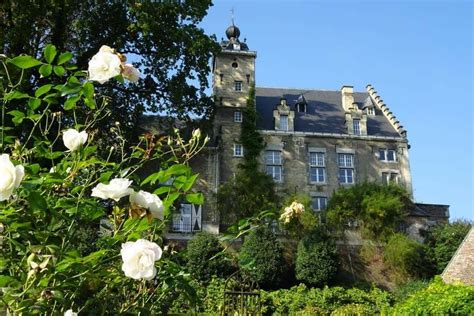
pixel 232 15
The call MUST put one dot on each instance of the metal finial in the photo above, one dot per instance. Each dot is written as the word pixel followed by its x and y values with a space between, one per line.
pixel 232 15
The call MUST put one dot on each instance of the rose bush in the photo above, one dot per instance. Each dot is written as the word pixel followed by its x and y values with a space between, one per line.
pixel 64 223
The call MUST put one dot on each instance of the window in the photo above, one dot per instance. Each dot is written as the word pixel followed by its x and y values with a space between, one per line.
pixel 389 155
pixel 273 164
pixel 182 221
pixel 283 122
pixel 238 117
pixel 389 178
pixel 356 125
pixel 319 203
pixel 238 86
pixel 235 65
pixel 370 111
pixel 346 168
pixel 317 170
pixel 238 150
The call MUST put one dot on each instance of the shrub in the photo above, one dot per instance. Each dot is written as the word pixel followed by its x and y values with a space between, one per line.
pixel 438 299
pixel 316 259
pixel 313 301
pixel 205 257
pixel 444 240
pixel 261 256
pixel 406 257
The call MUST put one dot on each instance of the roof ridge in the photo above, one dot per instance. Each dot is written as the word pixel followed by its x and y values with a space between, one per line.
pixel 305 89
pixel 386 111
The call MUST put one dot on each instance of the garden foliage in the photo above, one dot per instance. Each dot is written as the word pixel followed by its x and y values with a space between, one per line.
pixel 377 209
pixel 443 241
pixel 261 256
pixel 316 259
pixel 78 231
pixel 205 258
pixel 407 257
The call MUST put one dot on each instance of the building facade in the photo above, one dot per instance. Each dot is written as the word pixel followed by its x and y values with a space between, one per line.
pixel 316 141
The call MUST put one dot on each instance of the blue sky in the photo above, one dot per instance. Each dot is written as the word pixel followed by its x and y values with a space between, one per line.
pixel 416 54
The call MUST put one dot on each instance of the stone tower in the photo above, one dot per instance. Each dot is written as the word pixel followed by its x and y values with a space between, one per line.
pixel 233 75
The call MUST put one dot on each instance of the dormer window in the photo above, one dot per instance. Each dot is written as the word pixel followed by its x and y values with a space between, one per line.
pixel 301 104
pixel 371 111
pixel 284 122
pixel 356 126
pixel 238 86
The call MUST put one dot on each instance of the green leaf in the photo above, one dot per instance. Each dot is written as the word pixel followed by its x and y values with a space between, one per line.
pixel 33 168
pixel 45 70
pixel 59 70
pixel 42 90
pixel 5 280
pixel 17 116
pixel 104 177
pixel 195 198
pixel 71 103
pixel 16 95
pixel 37 201
pixel 161 190
pixel 88 90
pixel 64 57
pixel 25 62
pixel 49 53
pixel 189 183
pixel 90 103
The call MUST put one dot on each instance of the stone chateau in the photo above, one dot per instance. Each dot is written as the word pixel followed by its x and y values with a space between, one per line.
pixel 317 141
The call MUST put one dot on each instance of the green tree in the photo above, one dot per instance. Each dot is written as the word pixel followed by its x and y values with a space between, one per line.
pixel 377 209
pixel 162 39
pixel 261 256
pixel 316 259
pixel 205 257
pixel 443 241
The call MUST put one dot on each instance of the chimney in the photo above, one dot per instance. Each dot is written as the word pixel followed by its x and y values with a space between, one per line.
pixel 347 97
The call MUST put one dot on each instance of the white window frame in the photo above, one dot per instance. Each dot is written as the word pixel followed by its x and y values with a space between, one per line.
pixel 356 126
pixel 320 202
pixel 346 173
pixel 371 111
pixel 284 127
pixel 390 177
pixel 383 155
pixel 182 221
pixel 318 165
pixel 274 164
pixel 238 150
pixel 238 85
pixel 237 116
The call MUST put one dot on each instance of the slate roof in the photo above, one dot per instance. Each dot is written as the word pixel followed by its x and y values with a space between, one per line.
pixel 430 210
pixel 324 113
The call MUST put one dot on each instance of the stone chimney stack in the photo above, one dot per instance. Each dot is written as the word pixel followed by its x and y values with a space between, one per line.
pixel 347 97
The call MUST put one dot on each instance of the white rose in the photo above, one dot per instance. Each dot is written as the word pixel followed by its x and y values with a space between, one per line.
pixel 69 312
pixel 148 201
pixel 139 259
pixel 10 177
pixel 104 65
pixel 131 73
pixel 197 133
pixel 73 139
pixel 116 189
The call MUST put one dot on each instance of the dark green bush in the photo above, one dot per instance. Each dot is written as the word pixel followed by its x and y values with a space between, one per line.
pixel 316 259
pixel 205 257
pixel 261 256
pixel 444 240
pixel 407 257
pixel 438 299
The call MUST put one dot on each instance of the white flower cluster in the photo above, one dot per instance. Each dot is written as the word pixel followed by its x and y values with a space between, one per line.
pixel 294 210
pixel 107 63
pixel 10 177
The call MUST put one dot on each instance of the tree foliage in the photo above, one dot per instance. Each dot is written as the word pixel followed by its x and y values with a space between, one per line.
pixel 407 257
pixel 161 38
pixel 261 256
pixel 205 257
pixel 316 259
pixel 378 210
pixel 443 241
